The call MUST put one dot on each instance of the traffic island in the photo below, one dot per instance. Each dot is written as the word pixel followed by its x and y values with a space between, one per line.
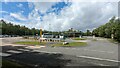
pixel 79 39
pixel 71 44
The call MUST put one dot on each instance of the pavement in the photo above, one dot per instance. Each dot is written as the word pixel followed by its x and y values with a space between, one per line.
pixel 96 53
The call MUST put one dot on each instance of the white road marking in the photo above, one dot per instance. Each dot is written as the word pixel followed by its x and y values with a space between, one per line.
pixel 24 49
pixel 47 52
pixel 34 47
pixel 90 50
pixel 99 64
pixel 4 54
pixel 88 57
pixel 13 51
pixel 98 51
pixel 17 45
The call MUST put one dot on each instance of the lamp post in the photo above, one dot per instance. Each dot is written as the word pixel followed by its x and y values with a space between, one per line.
pixel 51 30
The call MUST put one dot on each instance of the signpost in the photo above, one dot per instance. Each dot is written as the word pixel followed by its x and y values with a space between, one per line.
pixel 40 35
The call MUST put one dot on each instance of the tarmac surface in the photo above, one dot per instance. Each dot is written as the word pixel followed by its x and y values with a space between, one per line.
pixel 94 55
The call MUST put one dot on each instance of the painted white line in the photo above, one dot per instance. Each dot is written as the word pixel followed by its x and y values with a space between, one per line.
pixel 34 47
pixel 99 64
pixel 90 50
pixel 51 52
pixel 47 52
pixel 98 51
pixel 16 45
pixel 94 58
pixel 24 49
pixel 13 51
pixel 4 54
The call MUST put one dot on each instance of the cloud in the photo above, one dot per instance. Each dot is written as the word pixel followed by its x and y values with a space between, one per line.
pixel 80 16
pixel 42 6
pixel 18 16
pixel 60 0
pixel 3 12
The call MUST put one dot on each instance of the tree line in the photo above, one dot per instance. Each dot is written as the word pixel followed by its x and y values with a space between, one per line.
pixel 112 28
pixel 108 30
pixel 10 29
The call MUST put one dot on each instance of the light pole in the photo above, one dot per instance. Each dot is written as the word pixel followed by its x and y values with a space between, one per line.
pixel 50 30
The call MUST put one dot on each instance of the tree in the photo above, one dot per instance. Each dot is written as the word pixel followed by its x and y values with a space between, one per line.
pixel 88 33
pixel 108 29
pixel 117 30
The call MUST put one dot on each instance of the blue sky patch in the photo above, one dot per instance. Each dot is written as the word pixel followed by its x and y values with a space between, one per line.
pixel 58 7
pixel 13 7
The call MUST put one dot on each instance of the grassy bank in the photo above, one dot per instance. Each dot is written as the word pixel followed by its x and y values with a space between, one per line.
pixel 71 44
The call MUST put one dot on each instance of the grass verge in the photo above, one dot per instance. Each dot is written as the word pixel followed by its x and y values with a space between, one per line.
pixel 9 64
pixel 30 43
pixel 79 38
pixel 71 44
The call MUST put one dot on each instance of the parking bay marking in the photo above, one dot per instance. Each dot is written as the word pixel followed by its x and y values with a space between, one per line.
pixel 98 51
pixel 4 54
pixel 90 50
pixel 46 52
pixel 94 58
pixel 13 51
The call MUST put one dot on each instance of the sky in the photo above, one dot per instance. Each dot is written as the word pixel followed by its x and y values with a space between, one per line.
pixel 59 16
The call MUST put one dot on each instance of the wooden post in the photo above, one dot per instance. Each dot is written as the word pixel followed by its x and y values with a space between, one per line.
pixel 40 33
